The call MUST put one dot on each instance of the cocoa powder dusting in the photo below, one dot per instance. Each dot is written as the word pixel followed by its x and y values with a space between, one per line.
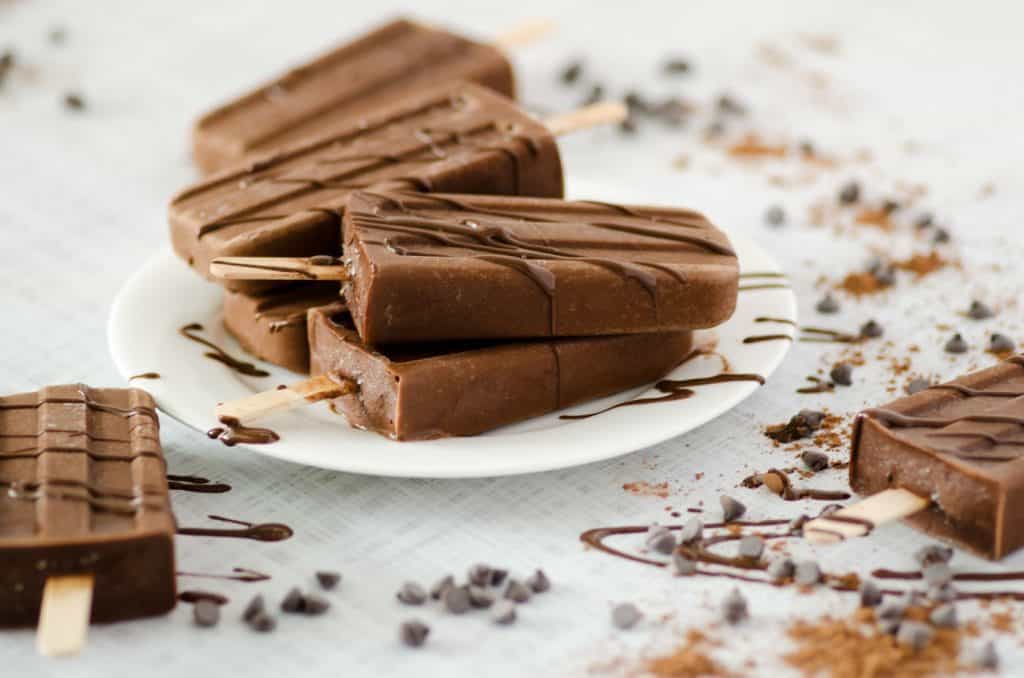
pixel 689 660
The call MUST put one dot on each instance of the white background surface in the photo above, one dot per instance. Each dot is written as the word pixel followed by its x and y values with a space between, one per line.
pixel 82 197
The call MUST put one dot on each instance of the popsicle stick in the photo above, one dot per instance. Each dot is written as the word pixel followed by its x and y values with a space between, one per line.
pixel 523 34
pixel 64 615
pixel 260 405
pixel 275 268
pixel 859 519
pixel 601 113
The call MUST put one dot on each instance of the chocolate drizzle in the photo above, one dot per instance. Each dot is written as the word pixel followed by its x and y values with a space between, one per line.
pixel 240 574
pixel 196 484
pixel 256 531
pixel 234 432
pixel 194 596
pixel 757 339
pixel 145 375
pixel 219 354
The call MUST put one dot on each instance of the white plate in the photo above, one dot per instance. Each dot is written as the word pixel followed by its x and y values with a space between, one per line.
pixel 165 294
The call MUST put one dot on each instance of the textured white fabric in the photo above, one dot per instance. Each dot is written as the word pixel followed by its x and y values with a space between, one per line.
pixel 932 89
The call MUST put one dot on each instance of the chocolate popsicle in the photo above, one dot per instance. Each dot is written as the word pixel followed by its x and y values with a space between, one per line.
pixel 428 267
pixel 272 326
pixel 84 493
pixel 334 89
pixel 960 445
pixel 423 391
pixel 461 137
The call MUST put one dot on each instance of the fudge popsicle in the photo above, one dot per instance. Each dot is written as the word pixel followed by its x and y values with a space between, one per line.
pixel 84 495
pixel 325 94
pixel 460 137
pixel 959 448
pixel 272 326
pixel 414 392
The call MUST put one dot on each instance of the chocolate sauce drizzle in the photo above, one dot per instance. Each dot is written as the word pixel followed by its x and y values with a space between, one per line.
pixel 145 375
pixel 219 354
pixel 195 596
pixel 817 334
pixel 256 531
pixel 240 574
pixel 234 432
pixel 196 484
pixel 765 285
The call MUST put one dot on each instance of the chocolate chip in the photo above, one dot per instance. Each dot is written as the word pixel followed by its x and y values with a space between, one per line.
pixel 780 569
pixel 256 607
pixel 74 101
pixel 683 565
pixel 734 607
pixel 842 374
pixel 807 573
pixel 637 103
pixel 517 591
pixel 727 104
pixel 411 593
pixel 731 509
pixel 775 216
pixel 827 304
pixel 914 635
pixel 871 330
pixel 814 460
pixel 890 206
pixel 715 129
pixel 498 576
pixel 937 574
pixel 673 111
pixel 870 594
pixel 941 236
pixel 456 599
pixel 438 589
pixel 413 632
pixel 933 553
pixel 660 539
pixel 628 126
pixel 956 344
pixel 1000 343
pixel 7 60
pixel 692 531
pixel 479 574
pixel 625 616
pixel 917 385
pixel 504 613
pixel 328 580
pixel 892 609
pixel 849 193
pixel 944 617
pixel 263 623
pixel 986 657
pixel 924 221
pixel 801 425
pixel 676 66
pixel 539 582
pixel 595 95
pixel 979 311
pixel 206 613
pixel 750 547
pixel 885 276
pixel 314 605
pixel 571 73
pixel 293 602
pixel 807 149
pixel 480 597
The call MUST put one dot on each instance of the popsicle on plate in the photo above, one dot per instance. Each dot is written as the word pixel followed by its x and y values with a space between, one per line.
pixel 460 137
pixel 387 64
pixel 84 497
pixel 272 326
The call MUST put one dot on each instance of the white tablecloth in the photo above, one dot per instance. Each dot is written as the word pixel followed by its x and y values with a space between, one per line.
pixel 932 90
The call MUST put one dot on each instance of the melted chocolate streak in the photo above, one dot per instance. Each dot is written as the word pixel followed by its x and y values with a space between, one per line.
pixel 234 432
pixel 819 334
pixel 145 375
pixel 674 389
pixel 219 354
pixel 241 574
pixel 196 484
pixel 195 596
pixel 257 531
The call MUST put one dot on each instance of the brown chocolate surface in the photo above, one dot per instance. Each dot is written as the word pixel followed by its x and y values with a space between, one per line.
pixel 960 444
pixel 84 491
pixel 458 138
pixel 420 391
pixel 272 326
pixel 324 95
pixel 427 267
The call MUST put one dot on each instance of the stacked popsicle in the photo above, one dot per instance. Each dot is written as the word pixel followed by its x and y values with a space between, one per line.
pixel 472 296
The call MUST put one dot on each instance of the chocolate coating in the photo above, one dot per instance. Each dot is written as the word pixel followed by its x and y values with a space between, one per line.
pixel 420 391
pixel 458 138
pixel 962 445
pixel 428 267
pixel 84 491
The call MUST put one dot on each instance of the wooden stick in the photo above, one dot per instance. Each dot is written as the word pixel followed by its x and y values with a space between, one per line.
pixel 64 615
pixel 523 34
pixel 862 517
pixel 601 113
pixel 260 405
pixel 277 268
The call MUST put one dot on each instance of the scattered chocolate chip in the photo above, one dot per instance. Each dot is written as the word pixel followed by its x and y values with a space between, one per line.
pixel 628 126
pixel 937 574
pixel 498 576
pixel 944 617
pixel 480 597
pixel 827 304
pixel 637 103
pixel 956 344
pixel 263 623
pixel 727 104
pixel 660 539
pixel 7 59
pixel 625 616
pixel 411 593
pixel 571 73
pixel 676 66
pixel 914 635
pixel 692 531
pixel 986 657
pixel 933 553
pixel 328 580
pixel 849 193
pixel 313 604
pixel 892 609
pixel 734 607
pixel 206 613
pixel 885 276
pixel 517 591
pixel 801 425
pixel 504 613
pixel 780 569
pixel 715 129
pixel 539 582
pixel 775 216
pixel 870 594
pixel 941 236
pixel 890 206
pixel 807 149
pixel 293 602
pixel 479 575
pixel 871 330
pixel 814 460
pixel 807 573
pixel 1000 343
pixel 683 565
pixel 979 311
pixel 456 599
pixel 731 509
pixel 438 589
pixel 926 220
pixel 842 374
pixel 413 632
pixel 256 607
pixel 918 384
pixel 74 101
pixel 750 547
pixel 595 95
